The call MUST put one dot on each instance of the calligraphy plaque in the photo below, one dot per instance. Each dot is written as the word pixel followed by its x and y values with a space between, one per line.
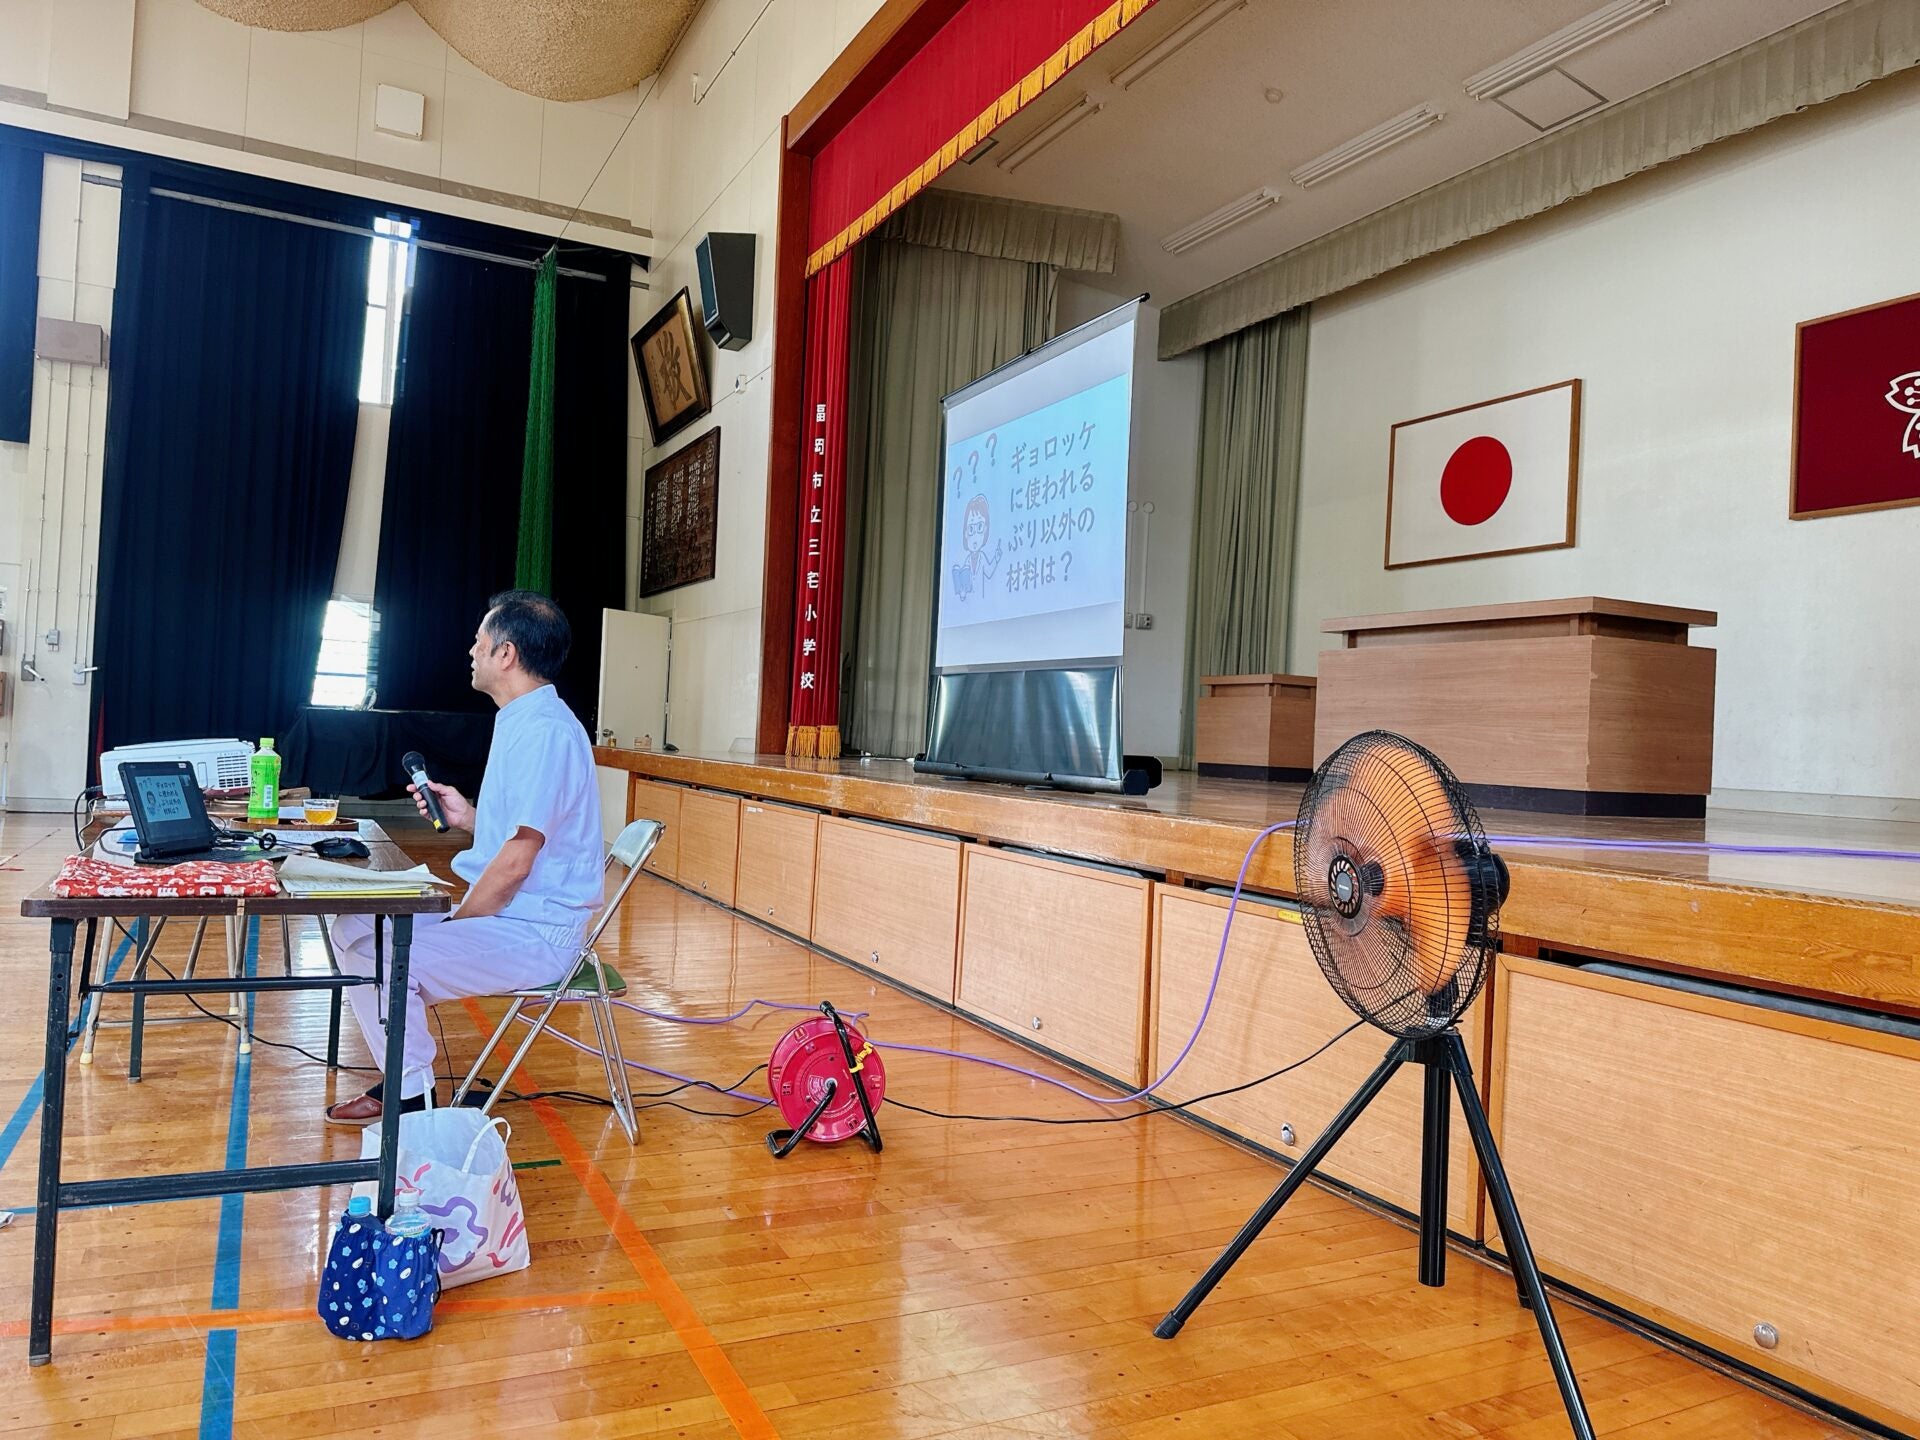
pixel 680 525
pixel 673 371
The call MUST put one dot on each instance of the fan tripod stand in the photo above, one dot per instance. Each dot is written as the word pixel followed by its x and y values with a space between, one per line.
pixel 1446 1060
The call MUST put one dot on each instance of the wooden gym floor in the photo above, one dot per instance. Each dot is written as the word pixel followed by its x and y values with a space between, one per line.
pixel 974 1280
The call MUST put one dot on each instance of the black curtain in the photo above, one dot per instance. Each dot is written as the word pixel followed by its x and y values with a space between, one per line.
pixel 19 284
pixel 449 519
pixel 451 508
pixel 591 362
pixel 234 397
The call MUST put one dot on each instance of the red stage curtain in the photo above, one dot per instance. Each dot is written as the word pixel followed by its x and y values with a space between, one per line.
pixel 814 715
pixel 977 71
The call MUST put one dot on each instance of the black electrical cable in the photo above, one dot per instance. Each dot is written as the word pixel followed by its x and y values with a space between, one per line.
pixel 85 797
pixel 255 1036
pixel 1156 1109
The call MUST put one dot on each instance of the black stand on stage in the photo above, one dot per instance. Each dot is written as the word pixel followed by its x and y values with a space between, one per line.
pixel 1446 1060
pixel 782 1142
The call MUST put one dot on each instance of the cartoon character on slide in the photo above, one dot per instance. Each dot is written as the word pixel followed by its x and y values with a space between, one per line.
pixel 974 572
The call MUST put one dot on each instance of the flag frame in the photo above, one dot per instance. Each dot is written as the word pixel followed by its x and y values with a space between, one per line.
pixel 1563 541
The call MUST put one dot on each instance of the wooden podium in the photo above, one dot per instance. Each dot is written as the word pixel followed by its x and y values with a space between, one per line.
pixel 1255 727
pixel 1584 706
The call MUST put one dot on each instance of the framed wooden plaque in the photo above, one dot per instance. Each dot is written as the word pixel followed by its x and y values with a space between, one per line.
pixel 680 525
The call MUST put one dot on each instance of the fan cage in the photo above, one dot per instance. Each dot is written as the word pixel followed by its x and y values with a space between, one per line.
pixel 1402 893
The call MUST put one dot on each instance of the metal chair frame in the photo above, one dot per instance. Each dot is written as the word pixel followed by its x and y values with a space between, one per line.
pixel 631 848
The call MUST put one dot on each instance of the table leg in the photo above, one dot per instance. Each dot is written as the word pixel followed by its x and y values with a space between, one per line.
pixel 236 961
pixel 335 1000
pixel 137 1034
pixel 46 1224
pixel 394 1075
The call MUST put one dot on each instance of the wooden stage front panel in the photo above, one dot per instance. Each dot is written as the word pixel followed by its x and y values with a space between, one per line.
pixel 1718 1168
pixel 1821 924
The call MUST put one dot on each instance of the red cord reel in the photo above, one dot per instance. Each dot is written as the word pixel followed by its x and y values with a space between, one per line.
pixel 827 1082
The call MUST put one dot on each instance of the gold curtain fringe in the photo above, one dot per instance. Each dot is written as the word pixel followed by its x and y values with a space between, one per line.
pixel 1029 88
pixel 814 742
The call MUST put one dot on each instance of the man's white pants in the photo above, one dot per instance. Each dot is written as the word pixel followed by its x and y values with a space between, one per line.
pixel 448 960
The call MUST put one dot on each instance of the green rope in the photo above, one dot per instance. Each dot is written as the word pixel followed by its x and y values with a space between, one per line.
pixel 533 564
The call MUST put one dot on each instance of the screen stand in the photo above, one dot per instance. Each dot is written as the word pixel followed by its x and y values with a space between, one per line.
pixel 1138 775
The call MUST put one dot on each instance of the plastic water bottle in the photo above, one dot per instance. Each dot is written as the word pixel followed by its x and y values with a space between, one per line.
pixel 359 1205
pixel 263 800
pixel 408 1219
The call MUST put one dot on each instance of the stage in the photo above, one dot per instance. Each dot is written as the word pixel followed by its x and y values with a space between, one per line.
pixel 1699 1062
pixel 1842 926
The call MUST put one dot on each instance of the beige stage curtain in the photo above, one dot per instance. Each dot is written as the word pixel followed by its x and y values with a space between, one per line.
pixel 1252 413
pixel 1008 230
pixel 925 322
pixel 1829 55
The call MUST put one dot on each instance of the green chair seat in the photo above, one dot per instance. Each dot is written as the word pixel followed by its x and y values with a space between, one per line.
pixel 631 849
pixel 582 982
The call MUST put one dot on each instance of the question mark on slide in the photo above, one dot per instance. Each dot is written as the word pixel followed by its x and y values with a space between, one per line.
pixel 956 479
pixel 974 461
pixel 993 444
pixel 1066 565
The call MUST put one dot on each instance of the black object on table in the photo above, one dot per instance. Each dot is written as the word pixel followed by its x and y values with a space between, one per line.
pixel 357 752
pixel 53 1195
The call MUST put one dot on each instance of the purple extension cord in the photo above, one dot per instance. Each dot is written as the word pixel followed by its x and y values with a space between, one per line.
pixel 1219 964
pixel 1206 1009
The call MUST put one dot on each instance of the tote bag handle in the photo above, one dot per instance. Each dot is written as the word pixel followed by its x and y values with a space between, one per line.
pixel 496 1122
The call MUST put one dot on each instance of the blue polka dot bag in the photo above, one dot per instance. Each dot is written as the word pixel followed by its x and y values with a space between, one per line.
pixel 378 1285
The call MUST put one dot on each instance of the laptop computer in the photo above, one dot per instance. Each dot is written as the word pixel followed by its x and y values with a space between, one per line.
pixel 170 817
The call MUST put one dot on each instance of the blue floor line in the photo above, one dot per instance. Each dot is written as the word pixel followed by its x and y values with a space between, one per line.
pixel 216 1383
pixel 30 1102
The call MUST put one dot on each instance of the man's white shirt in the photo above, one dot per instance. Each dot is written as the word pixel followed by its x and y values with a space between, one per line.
pixel 540 775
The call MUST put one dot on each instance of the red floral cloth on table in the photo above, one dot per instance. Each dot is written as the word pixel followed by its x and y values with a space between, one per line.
pixel 80 878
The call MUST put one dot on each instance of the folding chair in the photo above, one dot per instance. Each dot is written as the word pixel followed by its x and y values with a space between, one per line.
pixel 593 981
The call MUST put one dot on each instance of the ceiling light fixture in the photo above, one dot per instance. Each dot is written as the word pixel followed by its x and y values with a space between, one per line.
pixel 1237 212
pixel 1152 58
pixel 1085 109
pixel 1538 58
pixel 1364 147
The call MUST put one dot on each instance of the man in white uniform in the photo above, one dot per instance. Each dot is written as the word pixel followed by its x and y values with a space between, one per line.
pixel 533 872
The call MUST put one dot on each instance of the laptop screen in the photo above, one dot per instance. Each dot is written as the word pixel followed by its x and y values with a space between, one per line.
pixel 168 812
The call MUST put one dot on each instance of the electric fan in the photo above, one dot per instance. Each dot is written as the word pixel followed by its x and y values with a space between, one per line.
pixel 826 1081
pixel 1402 908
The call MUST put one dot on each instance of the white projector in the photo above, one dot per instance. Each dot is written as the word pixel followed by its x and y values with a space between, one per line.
pixel 218 764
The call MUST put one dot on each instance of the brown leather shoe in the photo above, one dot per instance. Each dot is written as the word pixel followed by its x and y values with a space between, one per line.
pixel 360 1110
pixel 363 1110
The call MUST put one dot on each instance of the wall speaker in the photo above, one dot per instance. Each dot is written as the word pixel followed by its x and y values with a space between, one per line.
pixel 726 287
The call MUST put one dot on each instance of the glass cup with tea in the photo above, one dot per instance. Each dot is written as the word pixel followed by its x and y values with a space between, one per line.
pixel 321 812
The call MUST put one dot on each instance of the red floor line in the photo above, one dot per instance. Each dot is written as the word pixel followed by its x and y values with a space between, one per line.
pixel 728 1388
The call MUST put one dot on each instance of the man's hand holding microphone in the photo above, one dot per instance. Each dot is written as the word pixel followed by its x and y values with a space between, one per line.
pixel 442 806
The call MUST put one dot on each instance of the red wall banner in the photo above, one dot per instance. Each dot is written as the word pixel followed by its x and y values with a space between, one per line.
pixel 1856 419
pixel 813 726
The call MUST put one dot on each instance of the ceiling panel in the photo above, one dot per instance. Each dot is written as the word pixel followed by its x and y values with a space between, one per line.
pixel 1202 129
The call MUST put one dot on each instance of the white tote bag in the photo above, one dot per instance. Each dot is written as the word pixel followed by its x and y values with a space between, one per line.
pixel 457 1161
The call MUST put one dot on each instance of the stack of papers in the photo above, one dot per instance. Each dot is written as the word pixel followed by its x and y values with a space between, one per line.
pixel 308 875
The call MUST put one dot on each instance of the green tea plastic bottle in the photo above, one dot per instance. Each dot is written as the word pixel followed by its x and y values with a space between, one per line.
pixel 263 801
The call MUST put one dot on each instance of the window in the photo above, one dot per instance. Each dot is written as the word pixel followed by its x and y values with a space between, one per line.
pixel 349 652
pixel 387 276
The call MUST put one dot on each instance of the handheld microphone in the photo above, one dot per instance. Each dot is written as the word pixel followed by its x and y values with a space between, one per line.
pixel 415 765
